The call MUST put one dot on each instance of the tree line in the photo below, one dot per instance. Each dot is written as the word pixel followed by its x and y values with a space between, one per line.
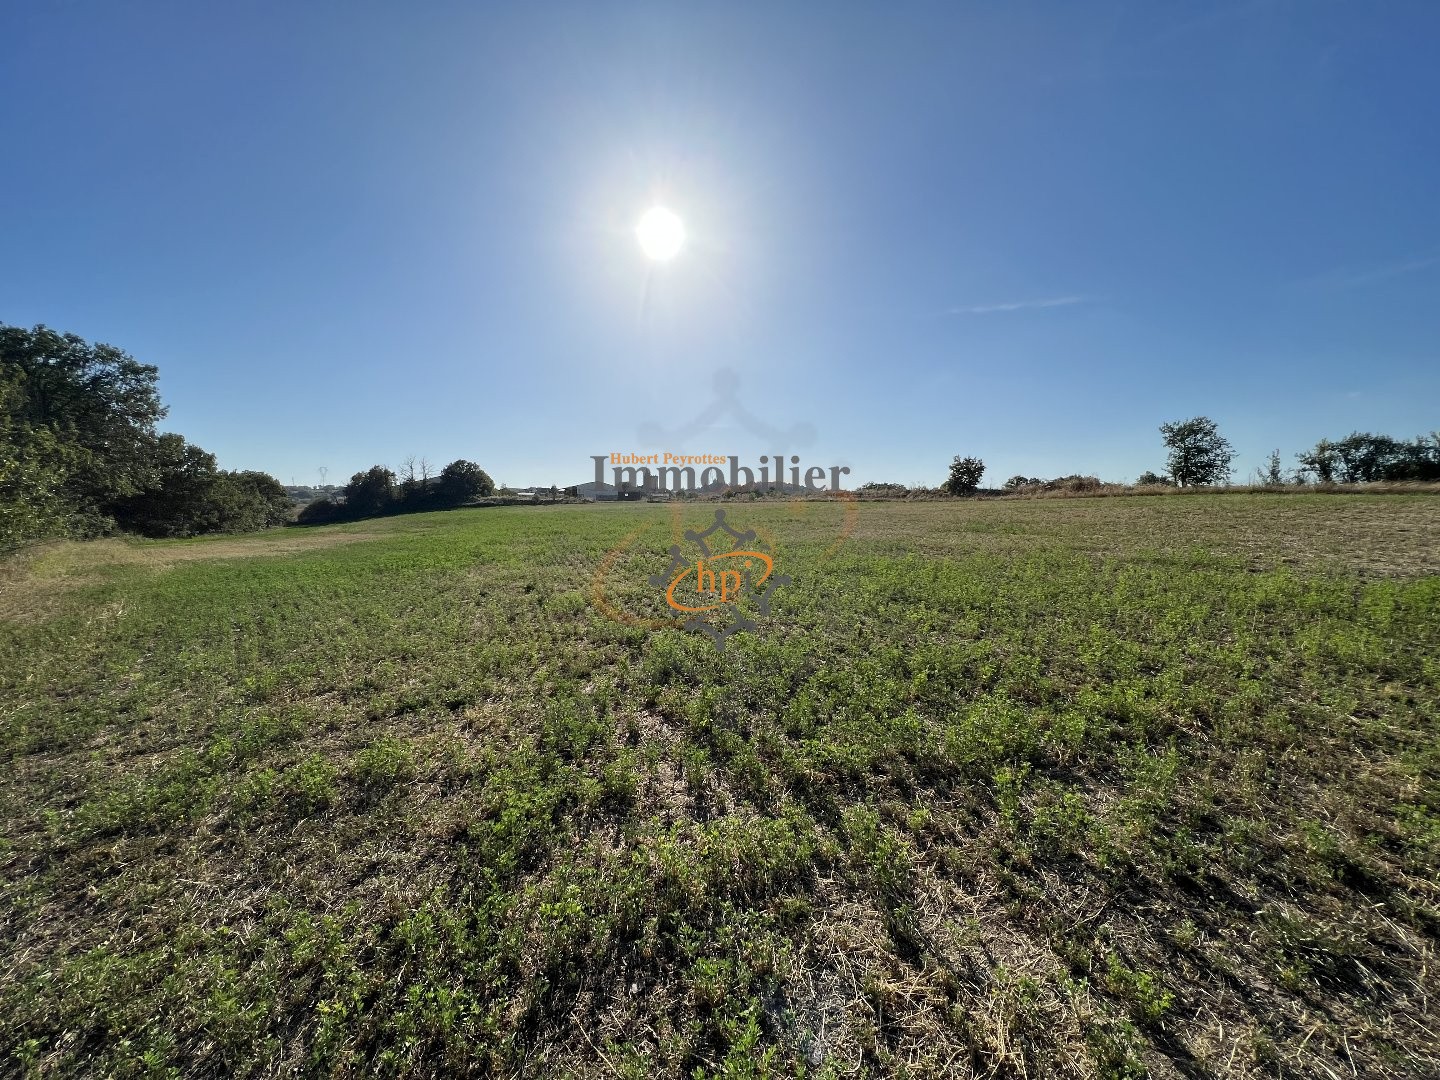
pixel 1198 455
pixel 81 456
pixel 378 491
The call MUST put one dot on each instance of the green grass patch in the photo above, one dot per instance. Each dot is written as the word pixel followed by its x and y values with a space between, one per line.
pixel 1055 787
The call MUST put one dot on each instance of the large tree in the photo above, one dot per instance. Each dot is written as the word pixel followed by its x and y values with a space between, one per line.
pixel 370 492
pixel 173 499
pixel 1199 454
pixel 188 496
pixel 247 500
pixel 79 453
pixel 964 478
pixel 34 466
pixel 461 481
pixel 98 401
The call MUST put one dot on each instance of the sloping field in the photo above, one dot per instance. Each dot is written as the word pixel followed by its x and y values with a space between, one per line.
pixel 1115 787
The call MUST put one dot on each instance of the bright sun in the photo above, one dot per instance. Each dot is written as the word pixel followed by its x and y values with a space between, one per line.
pixel 661 234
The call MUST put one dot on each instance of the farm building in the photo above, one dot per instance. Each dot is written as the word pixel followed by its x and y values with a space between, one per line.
pixel 592 491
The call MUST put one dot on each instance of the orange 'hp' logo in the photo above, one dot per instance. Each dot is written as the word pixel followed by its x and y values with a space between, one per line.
pixel 720 580
pixel 727 583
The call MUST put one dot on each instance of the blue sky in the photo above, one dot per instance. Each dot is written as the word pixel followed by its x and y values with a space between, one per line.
pixel 348 232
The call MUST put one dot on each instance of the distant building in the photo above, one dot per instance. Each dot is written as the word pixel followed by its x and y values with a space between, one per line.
pixel 626 492
pixel 648 489
pixel 592 491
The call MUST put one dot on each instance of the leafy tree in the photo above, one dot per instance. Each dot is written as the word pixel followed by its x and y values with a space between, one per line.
pixel 79 453
pixel 33 469
pixel 95 400
pixel 1019 480
pixel 1199 454
pixel 461 481
pixel 173 499
pixel 248 500
pixel 965 474
pixel 1421 458
pixel 1363 458
pixel 187 496
pixel 1148 479
pixel 1322 462
pixel 370 493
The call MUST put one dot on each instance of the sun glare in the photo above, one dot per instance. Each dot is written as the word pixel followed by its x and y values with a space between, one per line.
pixel 661 234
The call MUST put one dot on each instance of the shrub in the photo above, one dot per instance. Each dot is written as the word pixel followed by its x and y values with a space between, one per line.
pixel 883 491
pixel 321 511
pixel 1074 482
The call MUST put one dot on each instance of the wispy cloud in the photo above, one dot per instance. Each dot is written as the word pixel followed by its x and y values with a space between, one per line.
pixel 1354 277
pixel 1017 305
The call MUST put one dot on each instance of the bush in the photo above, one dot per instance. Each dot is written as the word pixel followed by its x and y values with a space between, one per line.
pixel 321 512
pixel 1074 482
pixel 882 491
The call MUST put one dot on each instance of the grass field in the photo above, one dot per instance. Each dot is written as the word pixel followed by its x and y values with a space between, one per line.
pixel 1116 787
